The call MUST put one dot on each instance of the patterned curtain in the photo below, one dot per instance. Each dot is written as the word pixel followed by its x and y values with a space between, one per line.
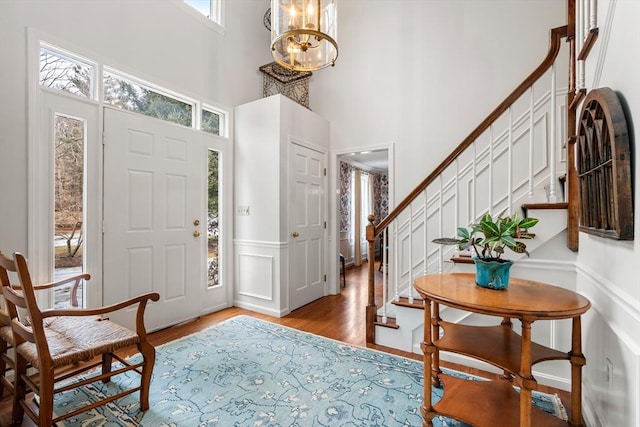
pixel 379 188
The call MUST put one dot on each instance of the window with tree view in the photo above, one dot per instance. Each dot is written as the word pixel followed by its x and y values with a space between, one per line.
pixel 210 122
pixel 132 96
pixel 67 74
pixel 68 198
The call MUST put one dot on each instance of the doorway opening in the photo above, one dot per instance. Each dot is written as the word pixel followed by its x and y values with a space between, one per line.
pixel 363 183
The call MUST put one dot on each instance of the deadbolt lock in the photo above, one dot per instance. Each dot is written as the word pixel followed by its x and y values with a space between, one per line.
pixel 196 222
pixel 295 234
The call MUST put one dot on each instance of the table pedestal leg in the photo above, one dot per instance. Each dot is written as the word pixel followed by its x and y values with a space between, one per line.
pixel 577 362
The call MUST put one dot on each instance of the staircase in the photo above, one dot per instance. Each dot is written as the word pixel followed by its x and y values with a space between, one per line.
pixel 516 159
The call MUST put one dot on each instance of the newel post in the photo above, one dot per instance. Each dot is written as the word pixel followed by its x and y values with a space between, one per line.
pixel 371 302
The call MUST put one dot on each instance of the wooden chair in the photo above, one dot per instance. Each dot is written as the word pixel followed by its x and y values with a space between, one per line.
pixel 71 337
pixel 7 363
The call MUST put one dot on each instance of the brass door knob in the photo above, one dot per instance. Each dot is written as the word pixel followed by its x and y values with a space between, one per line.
pixel 295 234
pixel 196 233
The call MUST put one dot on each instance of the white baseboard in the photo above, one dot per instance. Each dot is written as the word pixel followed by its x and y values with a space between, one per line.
pixel 261 309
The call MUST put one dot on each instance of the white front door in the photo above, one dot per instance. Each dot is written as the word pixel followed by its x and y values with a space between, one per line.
pixel 306 225
pixel 155 224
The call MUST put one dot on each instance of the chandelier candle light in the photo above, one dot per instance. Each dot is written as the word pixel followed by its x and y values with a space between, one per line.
pixel 303 33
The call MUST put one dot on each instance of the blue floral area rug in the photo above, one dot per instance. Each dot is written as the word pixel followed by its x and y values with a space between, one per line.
pixel 249 372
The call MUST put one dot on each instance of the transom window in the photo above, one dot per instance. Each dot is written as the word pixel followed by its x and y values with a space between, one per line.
pixel 69 73
pixel 66 73
pixel 212 121
pixel 130 95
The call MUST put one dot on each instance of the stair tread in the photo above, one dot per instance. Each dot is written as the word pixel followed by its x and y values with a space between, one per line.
pixel 462 260
pixel 559 205
pixel 527 206
pixel 391 322
pixel 404 302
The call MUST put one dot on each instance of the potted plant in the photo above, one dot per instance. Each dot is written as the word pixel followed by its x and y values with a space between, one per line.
pixel 488 238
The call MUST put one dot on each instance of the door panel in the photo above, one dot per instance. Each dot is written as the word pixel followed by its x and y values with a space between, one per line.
pixel 307 213
pixel 152 197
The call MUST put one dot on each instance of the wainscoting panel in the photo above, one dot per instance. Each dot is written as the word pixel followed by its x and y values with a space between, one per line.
pixel 610 334
pixel 255 277
pixel 261 276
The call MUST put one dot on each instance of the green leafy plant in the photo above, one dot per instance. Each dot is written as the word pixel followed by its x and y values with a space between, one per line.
pixel 490 236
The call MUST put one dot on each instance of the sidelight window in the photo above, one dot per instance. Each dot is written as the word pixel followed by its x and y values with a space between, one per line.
pixel 69 183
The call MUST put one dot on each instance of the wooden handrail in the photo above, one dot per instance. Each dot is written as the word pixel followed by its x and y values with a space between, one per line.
pixel 556 36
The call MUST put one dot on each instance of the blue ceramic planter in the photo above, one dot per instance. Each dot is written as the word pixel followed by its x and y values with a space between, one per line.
pixel 492 274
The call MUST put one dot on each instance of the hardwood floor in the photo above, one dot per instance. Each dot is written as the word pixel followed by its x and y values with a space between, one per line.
pixel 339 317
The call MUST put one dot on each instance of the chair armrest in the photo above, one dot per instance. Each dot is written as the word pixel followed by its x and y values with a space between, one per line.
pixel 74 290
pixel 76 278
pixel 141 299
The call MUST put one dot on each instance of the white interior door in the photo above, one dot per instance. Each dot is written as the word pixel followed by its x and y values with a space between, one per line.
pixel 306 225
pixel 154 229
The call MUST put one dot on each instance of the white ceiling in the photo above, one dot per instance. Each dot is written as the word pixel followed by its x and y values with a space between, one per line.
pixel 368 160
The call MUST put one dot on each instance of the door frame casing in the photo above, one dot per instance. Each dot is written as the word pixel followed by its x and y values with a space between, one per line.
pixel 334 206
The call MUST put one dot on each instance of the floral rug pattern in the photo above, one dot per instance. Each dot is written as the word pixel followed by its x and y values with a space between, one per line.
pixel 248 372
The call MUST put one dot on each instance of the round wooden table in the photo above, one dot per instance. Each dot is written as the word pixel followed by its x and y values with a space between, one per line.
pixel 496 402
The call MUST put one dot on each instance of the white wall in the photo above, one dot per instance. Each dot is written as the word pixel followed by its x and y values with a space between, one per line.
pixel 423 74
pixel 608 270
pixel 164 42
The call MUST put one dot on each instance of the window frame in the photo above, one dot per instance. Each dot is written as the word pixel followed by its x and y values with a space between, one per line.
pixel 72 57
pixel 217 19
pixel 153 88
pixel 223 122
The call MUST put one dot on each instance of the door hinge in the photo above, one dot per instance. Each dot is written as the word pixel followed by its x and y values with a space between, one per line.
pixel 325 171
pixel 325 277
pixel 325 225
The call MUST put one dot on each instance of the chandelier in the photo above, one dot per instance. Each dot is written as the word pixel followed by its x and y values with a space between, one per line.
pixel 303 33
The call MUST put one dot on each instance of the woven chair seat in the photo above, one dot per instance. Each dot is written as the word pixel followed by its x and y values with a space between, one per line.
pixel 77 339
